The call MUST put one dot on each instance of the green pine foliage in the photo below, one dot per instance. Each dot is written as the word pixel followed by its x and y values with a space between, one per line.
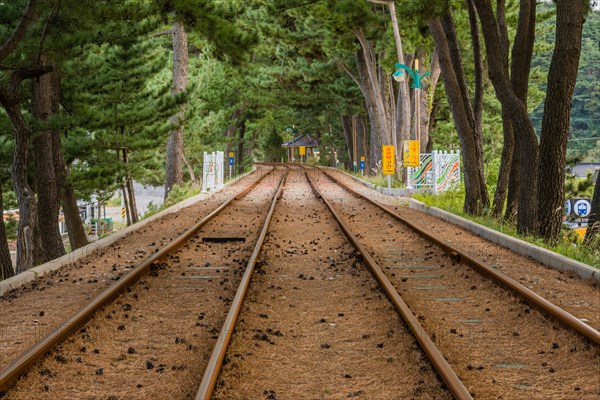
pixel 120 95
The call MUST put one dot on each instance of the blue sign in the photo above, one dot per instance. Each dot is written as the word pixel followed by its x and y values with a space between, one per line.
pixel 582 208
pixel 362 165
pixel 568 208
pixel 230 160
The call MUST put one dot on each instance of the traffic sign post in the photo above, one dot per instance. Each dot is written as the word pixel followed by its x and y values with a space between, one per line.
pixel 362 165
pixel 411 158
pixel 388 164
pixel 231 159
pixel 302 151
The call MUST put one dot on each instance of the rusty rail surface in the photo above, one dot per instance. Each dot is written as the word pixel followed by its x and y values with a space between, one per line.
pixel 211 373
pixel 561 315
pixel 38 350
pixel 436 357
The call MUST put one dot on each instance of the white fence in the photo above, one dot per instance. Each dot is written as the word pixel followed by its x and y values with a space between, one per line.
pixel 213 170
pixel 438 170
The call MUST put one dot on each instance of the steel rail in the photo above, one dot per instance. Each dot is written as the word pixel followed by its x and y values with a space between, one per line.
pixel 436 357
pixel 561 315
pixel 211 373
pixel 38 350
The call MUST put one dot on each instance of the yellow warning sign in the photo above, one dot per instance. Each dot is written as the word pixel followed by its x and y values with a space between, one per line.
pixel 122 212
pixel 362 158
pixel 302 150
pixel 231 154
pixel 411 153
pixel 388 160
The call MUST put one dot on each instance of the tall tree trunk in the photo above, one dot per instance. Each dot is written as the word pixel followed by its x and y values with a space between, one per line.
pixel 48 167
pixel 174 167
pixel 132 203
pixel 75 229
pixel 475 110
pixel 25 196
pixel 427 100
pixel 129 191
pixel 557 117
pixel 240 147
pixel 528 145
pixel 508 133
pixel 522 53
pixel 126 203
pixel 347 129
pixel 594 218
pixel 6 268
pixel 372 72
pixel 476 197
pixel 189 168
pixel 376 113
pixel 403 112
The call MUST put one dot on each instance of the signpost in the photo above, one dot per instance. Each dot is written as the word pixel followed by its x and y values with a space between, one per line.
pixel 362 165
pixel 231 159
pixel 411 158
pixel 388 164
pixel 302 151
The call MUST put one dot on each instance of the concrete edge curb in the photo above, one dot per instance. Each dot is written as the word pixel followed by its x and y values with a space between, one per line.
pixel 30 275
pixel 395 192
pixel 545 256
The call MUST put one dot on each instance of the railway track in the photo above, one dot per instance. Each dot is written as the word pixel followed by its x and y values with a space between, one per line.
pixel 312 315
pixel 30 312
pixel 141 315
pixel 496 340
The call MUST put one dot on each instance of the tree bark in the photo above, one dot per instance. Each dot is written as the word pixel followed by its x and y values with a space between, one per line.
pixel 128 185
pixel 347 129
pixel 240 147
pixel 189 168
pixel 476 197
pixel 427 101
pixel 403 103
pixel 508 133
pixel 528 172
pixel 48 167
pixel 75 229
pixel 522 53
pixel 375 111
pixel 6 268
pixel 25 196
pixel 594 218
pixel 475 110
pixel 557 117
pixel 174 162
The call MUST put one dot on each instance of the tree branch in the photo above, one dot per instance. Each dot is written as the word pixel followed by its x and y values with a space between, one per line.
pixel 27 73
pixel 12 42
pixel 162 33
pixel 51 16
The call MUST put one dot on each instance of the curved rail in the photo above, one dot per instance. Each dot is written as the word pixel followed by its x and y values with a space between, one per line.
pixel 211 373
pixel 442 366
pixel 481 266
pixel 35 352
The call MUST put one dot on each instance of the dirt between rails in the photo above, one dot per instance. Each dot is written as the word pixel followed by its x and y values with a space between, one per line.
pixel 315 324
pixel 28 313
pixel 155 340
pixel 578 296
pixel 499 346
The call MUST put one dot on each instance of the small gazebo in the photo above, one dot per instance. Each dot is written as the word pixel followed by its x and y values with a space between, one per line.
pixel 304 143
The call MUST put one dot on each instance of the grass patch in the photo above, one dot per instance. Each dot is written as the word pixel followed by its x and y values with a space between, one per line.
pixel 571 246
pixel 379 180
